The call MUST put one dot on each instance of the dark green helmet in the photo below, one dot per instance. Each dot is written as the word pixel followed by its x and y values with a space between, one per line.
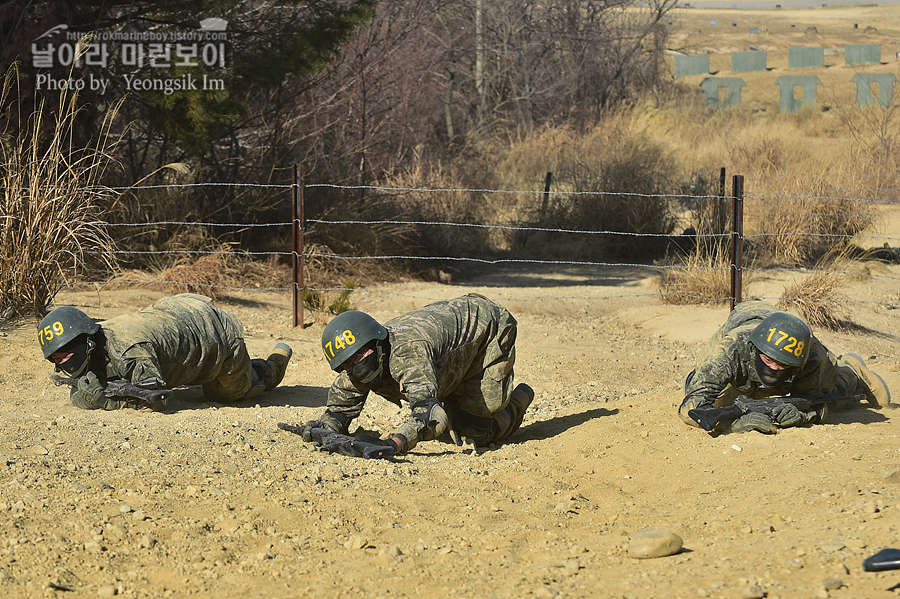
pixel 347 333
pixel 783 337
pixel 68 329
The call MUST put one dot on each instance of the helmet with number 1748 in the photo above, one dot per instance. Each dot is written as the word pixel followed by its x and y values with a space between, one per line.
pixel 347 333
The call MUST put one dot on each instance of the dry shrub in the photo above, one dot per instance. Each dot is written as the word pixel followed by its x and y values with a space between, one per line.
pixel 214 274
pixel 448 204
pixel 705 278
pixel 809 220
pixel 615 179
pixel 51 227
pixel 818 299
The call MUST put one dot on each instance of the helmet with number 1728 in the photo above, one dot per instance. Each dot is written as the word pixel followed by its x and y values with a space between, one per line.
pixel 784 338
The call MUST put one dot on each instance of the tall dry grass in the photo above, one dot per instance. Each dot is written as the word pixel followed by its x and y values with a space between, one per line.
pixel 51 227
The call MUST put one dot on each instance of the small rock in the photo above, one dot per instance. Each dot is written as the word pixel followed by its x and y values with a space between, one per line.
pixel 891 477
pixel 139 516
pixel 147 542
pixel 125 509
pixel 40 450
pixel 752 591
pixel 571 566
pixel 832 547
pixel 231 469
pixel 736 448
pixel 107 591
pixel 93 547
pixel 391 550
pixel 832 584
pixel 653 542
pixel 356 542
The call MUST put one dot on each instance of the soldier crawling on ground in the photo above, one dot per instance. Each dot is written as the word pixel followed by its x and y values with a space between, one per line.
pixel 761 352
pixel 451 361
pixel 180 340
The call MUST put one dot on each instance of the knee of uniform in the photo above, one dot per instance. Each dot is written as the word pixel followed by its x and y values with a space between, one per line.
pixel 689 403
pixel 216 392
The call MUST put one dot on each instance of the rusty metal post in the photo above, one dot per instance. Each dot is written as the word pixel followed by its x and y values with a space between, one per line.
pixel 546 200
pixel 737 239
pixel 297 233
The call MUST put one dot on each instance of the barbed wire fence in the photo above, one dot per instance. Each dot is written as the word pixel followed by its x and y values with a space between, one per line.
pixel 300 256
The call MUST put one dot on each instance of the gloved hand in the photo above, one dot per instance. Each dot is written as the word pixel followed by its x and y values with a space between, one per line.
pixel 788 414
pixel 754 421
pixel 90 388
pixel 432 418
pixel 327 421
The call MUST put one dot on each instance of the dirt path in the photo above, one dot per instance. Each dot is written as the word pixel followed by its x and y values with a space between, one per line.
pixel 212 501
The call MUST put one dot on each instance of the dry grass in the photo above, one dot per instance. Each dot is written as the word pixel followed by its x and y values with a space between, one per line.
pixel 818 299
pixel 705 278
pixel 51 228
pixel 215 274
pixel 808 220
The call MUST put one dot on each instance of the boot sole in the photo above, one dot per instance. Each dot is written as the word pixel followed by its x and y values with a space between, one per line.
pixel 863 372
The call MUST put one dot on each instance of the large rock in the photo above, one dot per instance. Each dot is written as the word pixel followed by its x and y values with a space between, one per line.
pixel 653 542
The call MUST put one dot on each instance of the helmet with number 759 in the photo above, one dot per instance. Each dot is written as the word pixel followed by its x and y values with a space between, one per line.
pixel 68 329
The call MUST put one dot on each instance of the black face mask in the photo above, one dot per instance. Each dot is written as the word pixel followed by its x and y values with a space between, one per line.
pixel 771 377
pixel 368 371
pixel 81 355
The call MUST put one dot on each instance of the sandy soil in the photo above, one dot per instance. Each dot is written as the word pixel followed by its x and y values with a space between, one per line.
pixel 215 501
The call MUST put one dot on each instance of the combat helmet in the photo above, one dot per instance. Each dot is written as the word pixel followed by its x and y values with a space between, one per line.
pixel 784 338
pixel 347 333
pixel 68 329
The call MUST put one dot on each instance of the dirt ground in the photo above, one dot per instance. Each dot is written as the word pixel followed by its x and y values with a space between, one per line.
pixel 216 501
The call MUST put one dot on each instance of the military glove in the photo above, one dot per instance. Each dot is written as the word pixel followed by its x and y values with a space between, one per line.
pixel 787 415
pixel 90 387
pixel 327 421
pixel 753 421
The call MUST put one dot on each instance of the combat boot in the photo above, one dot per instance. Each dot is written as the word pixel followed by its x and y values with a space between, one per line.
pixel 877 392
pixel 277 364
pixel 520 398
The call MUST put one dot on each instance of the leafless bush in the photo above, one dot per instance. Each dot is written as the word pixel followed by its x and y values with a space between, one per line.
pixel 621 181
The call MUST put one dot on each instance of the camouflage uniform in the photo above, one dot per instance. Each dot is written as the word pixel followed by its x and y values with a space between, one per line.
pixel 458 352
pixel 725 367
pixel 180 340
